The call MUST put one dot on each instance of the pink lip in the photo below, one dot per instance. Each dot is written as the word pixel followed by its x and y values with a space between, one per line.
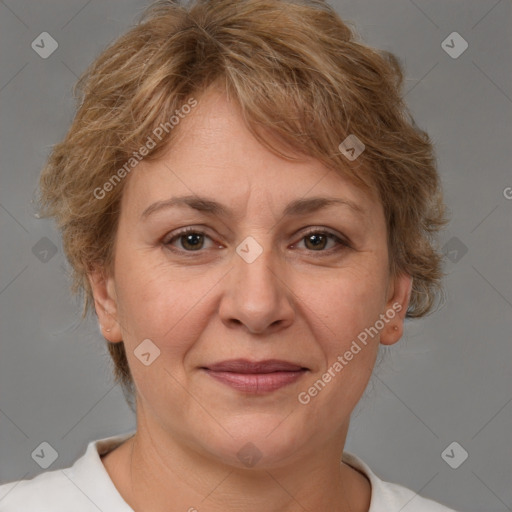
pixel 255 377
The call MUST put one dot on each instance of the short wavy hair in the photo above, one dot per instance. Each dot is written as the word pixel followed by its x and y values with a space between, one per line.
pixel 302 79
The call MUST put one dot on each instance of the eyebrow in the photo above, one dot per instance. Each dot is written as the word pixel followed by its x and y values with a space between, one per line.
pixel 209 206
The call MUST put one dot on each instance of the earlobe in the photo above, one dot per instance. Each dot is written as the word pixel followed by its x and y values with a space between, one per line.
pixel 105 303
pixel 396 309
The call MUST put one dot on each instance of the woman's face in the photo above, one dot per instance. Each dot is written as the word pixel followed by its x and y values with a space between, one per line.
pixel 256 279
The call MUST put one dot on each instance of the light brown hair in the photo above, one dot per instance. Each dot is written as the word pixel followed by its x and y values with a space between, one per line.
pixel 301 77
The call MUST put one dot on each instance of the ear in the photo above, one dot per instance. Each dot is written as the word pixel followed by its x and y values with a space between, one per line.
pixel 105 303
pixel 399 296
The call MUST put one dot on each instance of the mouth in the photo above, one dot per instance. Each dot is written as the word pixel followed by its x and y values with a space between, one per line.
pixel 256 377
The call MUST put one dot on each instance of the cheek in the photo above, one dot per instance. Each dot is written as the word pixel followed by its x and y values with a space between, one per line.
pixel 172 316
pixel 162 304
pixel 349 303
pixel 348 352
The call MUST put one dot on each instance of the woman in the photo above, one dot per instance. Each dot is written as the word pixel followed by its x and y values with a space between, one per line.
pixel 245 200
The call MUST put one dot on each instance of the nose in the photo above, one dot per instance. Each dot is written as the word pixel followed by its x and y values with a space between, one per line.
pixel 256 295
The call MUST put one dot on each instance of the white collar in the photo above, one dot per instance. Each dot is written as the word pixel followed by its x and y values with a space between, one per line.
pixel 385 497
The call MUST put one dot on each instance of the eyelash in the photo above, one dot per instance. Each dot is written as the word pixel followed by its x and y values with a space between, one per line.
pixel 341 244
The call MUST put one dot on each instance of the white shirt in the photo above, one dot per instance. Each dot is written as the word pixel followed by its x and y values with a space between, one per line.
pixel 86 487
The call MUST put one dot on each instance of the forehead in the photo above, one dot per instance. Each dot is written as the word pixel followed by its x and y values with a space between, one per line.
pixel 213 154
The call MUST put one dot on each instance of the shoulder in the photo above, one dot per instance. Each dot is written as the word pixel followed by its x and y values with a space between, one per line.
pixel 390 497
pixel 83 487
pixel 51 491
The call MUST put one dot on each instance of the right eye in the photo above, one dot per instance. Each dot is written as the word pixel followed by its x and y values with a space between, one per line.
pixel 191 239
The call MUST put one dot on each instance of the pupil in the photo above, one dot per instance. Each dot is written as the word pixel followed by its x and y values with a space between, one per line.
pixel 192 240
pixel 318 240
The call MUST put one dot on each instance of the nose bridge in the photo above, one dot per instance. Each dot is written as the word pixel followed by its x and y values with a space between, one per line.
pixel 254 267
pixel 257 298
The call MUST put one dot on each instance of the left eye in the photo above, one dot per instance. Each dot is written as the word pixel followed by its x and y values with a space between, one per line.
pixel 317 240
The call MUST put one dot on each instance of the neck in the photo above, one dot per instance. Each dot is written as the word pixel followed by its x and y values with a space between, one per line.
pixel 152 471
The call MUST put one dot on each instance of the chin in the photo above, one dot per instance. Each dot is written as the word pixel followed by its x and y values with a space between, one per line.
pixel 259 441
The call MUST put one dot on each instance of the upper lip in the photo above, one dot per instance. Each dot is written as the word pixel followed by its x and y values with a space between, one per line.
pixel 246 366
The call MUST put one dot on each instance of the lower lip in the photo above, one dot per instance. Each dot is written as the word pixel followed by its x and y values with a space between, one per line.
pixel 256 382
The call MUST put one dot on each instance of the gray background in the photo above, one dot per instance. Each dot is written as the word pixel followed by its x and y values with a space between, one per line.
pixel 449 379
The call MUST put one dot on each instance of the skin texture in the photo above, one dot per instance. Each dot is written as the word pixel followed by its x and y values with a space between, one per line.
pixel 295 302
